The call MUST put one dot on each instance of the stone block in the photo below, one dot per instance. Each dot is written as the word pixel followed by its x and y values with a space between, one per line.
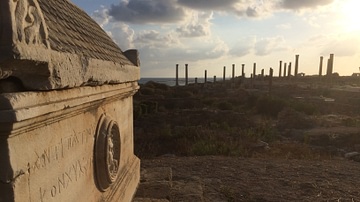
pixel 66 97
pixel 69 145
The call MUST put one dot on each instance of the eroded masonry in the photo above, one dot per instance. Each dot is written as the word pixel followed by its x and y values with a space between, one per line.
pixel 66 125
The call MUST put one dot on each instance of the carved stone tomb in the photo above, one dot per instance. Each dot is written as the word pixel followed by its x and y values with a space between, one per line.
pixel 66 122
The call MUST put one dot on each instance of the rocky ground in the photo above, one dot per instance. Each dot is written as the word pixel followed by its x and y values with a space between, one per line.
pixel 217 178
pixel 229 142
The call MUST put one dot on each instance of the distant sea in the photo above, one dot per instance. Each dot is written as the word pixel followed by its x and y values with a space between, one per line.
pixel 172 81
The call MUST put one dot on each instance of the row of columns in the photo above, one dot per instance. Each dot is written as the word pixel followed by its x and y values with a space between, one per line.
pixel 205 78
pixel 288 68
pixel 285 70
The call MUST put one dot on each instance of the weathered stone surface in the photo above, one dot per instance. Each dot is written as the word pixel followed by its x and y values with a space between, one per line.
pixel 47 142
pixel 73 142
pixel 54 45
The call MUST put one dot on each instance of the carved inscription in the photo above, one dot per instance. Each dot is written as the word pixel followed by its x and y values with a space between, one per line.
pixel 64 165
pixel 30 24
pixel 60 150
pixel 63 181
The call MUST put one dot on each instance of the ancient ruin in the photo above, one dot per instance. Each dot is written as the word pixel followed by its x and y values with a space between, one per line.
pixel 66 124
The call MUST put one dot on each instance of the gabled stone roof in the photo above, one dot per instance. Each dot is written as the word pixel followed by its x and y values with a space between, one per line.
pixel 72 30
pixel 52 44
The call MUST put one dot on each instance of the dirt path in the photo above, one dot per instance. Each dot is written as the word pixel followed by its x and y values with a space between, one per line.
pixel 251 179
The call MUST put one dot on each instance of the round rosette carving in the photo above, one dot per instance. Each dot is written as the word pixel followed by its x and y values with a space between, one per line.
pixel 107 152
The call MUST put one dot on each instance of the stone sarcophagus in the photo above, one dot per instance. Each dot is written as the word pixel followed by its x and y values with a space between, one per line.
pixel 66 125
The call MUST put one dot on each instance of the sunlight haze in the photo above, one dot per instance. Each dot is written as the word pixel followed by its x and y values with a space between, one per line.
pixel 211 34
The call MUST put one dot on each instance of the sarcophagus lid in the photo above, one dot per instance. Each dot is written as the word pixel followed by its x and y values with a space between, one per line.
pixel 52 44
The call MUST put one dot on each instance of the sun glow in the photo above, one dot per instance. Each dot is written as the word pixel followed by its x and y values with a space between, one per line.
pixel 351 15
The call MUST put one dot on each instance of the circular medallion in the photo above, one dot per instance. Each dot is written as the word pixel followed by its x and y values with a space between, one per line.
pixel 107 152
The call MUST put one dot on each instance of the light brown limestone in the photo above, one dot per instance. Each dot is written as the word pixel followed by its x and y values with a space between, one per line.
pixel 47 144
pixel 66 122
pixel 55 45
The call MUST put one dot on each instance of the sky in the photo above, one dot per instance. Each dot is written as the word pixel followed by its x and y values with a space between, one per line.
pixel 211 34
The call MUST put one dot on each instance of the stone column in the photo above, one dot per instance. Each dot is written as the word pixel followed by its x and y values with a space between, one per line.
pixel 285 66
pixel 328 71
pixel 296 65
pixel 243 70
pixel 280 67
pixel 289 70
pixel 177 75
pixel 330 65
pixel 233 72
pixel 254 71
pixel 205 78
pixel 252 80
pixel 321 65
pixel 224 73
pixel 262 73
pixel 214 79
pixel 271 74
pixel 186 74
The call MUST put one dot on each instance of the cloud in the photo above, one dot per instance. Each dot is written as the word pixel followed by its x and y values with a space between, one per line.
pixel 254 9
pixel 260 47
pixel 342 45
pixel 174 11
pixel 101 16
pixel 243 47
pixel 154 39
pixel 285 26
pixel 196 26
pixel 297 4
pixel 265 46
pixel 122 34
pixel 161 60
pixel 147 11
pixel 208 4
pixel 155 45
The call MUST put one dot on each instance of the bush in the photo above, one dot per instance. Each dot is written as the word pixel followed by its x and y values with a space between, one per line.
pixel 251 100
pixel 160 86
pixel 225 106
pixel 137 110
pixel 269 106
pixel 303 107
pixel 291 119
pixel 147 91
pixel 149 107
pixel 182 94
